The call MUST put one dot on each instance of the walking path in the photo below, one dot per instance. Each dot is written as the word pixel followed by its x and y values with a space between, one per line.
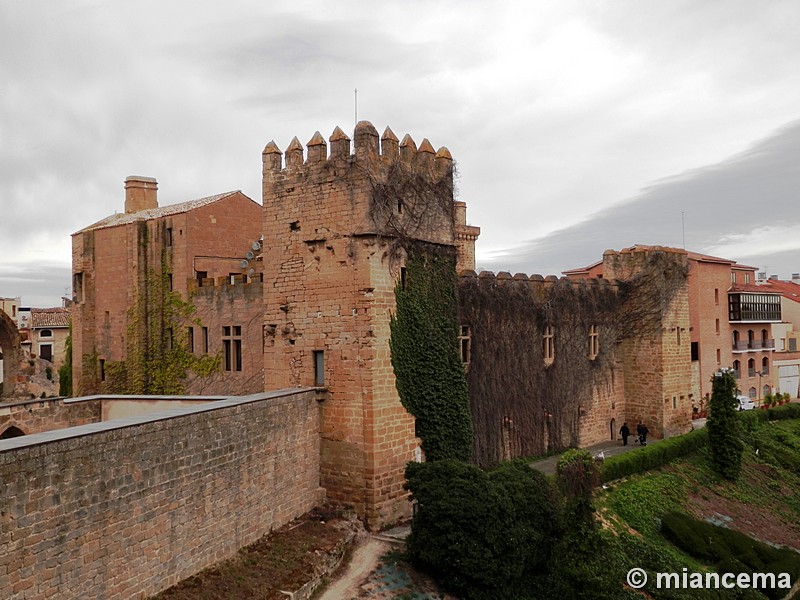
pixel 609 449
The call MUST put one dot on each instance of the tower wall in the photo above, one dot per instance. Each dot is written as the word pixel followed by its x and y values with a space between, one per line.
pixel 336 224
pixel 657 358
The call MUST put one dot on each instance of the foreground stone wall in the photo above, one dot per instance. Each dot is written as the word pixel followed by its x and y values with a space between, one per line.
pixel 127 508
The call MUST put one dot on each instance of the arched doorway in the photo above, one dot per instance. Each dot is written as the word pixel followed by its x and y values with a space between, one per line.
pixel 613 429
pixel 11 432
pixel 10 348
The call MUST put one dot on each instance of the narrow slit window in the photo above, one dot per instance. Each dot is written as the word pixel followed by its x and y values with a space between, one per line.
pixel 319 367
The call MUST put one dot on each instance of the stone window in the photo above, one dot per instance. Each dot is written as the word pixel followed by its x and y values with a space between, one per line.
pixel 549 345
pixel 190 339
pixel 102 368
pixel 232 347
pixel 716 325
pixel 205 340
pixel 465 345
pixel 169 237
pixel 46 333
pixel 77 287
pixel 594 342
pixel 737 369
pixel 319 367
pixel 716 296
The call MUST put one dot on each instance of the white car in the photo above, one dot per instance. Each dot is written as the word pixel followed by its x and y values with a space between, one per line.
pixel 745 403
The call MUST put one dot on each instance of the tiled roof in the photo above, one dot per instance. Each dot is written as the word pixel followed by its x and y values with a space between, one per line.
pixel 154 213
pixel 788 289
pixel 49 317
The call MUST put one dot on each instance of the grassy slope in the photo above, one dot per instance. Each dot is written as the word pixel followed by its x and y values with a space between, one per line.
pixel 764 503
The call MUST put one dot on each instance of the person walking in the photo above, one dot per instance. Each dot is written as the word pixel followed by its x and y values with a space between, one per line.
pixel 644 433
pixel 624 431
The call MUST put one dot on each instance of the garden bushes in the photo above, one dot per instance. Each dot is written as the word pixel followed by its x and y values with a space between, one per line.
pixel 483 535
pixel 730 551
pixel 653 456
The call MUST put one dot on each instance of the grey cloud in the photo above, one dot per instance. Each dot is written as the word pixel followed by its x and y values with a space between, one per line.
pixel 756 188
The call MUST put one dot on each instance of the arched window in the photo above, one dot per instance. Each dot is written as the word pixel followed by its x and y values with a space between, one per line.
pixel 737 368
pixel 765 366
pixel 752 393
pixel 46 333
pixel 751 367
pixel 735 340
pixel 765 390
pixel 549 346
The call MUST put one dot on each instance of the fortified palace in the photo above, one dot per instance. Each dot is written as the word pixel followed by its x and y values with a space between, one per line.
pixel 282 319
pixel 300 291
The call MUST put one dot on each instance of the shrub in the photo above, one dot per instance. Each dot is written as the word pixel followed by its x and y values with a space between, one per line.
pixel 786 411
pixel 724 426
pixel 481 535
pixel 729 550
pixel 653 456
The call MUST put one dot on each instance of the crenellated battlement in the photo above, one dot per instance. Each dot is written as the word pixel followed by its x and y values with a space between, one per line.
pixel 504 278
pixel 368 148
pixel 193 284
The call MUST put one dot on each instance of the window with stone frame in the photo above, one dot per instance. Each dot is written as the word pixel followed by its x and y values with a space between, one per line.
pixel 549 344
pixel 594 342
pixel 465 345
pixel 737 369
pixel 232 347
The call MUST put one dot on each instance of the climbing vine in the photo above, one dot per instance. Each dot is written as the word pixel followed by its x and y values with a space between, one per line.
pixel 522 406
pixel 158 355
pixel 428 370
pixel 65 370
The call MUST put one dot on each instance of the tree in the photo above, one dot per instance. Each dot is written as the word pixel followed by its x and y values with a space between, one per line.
pixel 724 428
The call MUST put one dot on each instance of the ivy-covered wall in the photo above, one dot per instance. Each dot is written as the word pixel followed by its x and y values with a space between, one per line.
pixel 524 405
pixel 520 405
pixel 429 374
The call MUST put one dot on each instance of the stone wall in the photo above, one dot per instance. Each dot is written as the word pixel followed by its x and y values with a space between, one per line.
pixel 35 416
pixel 127 508
pixel 522 403
pixel 334 224
pixel 657 357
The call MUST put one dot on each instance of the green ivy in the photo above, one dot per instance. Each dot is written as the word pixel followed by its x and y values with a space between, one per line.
pixel 65 370
pixel 158 357
pixel 424 350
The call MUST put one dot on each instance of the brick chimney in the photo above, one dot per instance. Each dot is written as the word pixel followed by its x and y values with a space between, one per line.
pixel 140 193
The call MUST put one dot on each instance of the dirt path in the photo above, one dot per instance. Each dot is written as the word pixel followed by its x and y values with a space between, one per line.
pixel 362 564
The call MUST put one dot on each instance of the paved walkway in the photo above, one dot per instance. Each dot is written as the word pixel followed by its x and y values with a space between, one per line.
pixel 609 449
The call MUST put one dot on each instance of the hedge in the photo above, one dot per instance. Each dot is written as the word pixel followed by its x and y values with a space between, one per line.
pixel 665 451
pixel 653 456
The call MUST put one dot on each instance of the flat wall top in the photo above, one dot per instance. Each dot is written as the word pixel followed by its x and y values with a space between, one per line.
pixel 215 403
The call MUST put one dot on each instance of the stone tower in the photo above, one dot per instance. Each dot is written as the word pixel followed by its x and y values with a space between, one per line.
pixel 334 223
pixel 656 358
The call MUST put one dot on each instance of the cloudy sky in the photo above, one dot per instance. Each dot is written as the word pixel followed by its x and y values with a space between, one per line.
pixel 577 125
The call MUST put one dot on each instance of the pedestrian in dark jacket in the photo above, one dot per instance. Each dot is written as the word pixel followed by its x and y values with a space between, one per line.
pixel 624 431
pixel 644 433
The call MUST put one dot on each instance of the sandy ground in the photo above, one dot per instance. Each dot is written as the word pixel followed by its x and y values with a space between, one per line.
pixel 363 562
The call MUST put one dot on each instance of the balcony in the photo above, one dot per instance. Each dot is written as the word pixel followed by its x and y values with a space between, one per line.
pixel 753 345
